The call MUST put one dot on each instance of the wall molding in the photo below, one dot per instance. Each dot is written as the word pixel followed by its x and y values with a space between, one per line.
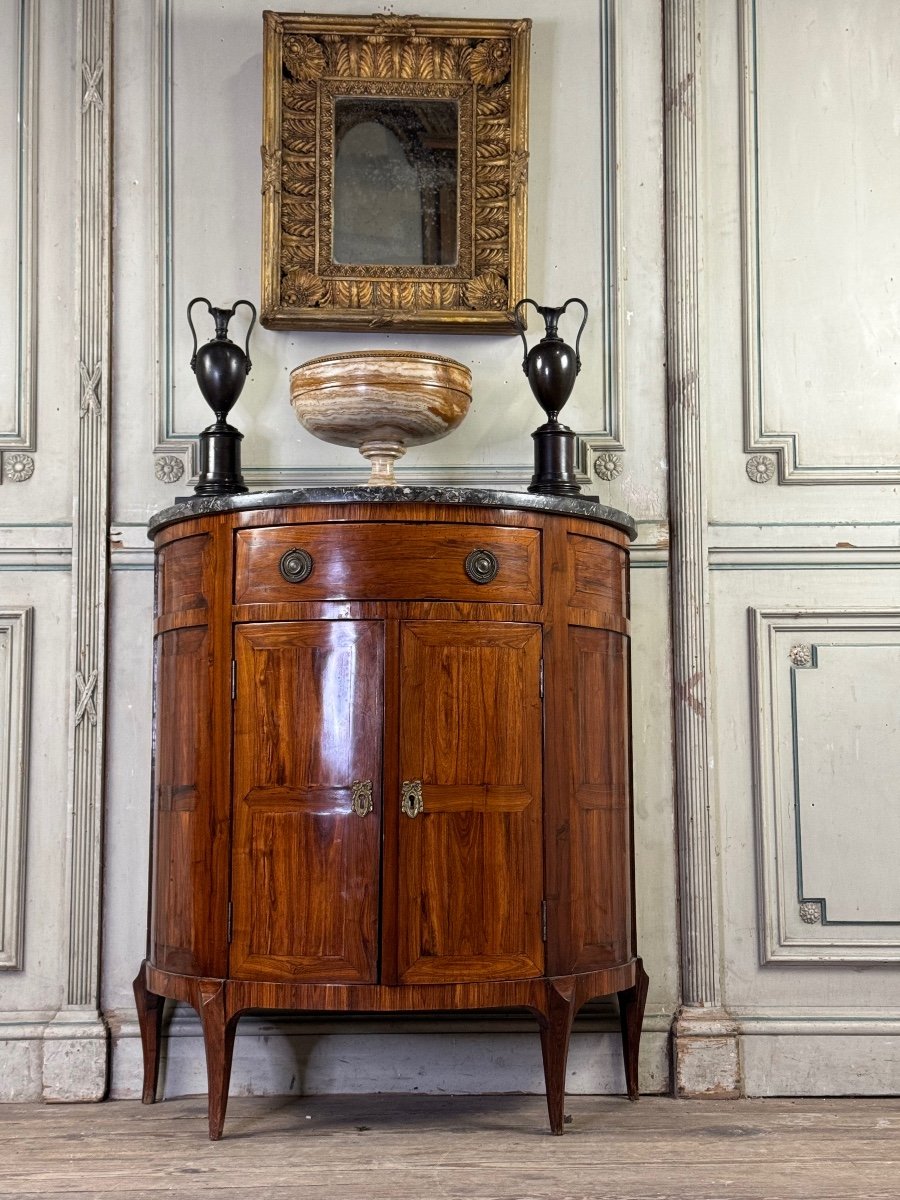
pixel 758 434
pixel 795 926
pixel 35 547
pixel 609 434
pixel 15 722
pixel 23 434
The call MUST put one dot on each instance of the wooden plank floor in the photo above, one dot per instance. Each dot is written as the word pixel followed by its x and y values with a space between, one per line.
pixel 441 1148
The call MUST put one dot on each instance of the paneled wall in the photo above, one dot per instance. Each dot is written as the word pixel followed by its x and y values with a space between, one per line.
pixel 185 221
pixel 718 180
pixel 801 170
pixel 38 422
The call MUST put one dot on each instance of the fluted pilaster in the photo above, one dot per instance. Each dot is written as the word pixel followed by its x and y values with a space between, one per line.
pixel 91 506
pixel 700 958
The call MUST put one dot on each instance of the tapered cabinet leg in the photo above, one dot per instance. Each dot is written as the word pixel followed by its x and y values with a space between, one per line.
pixel 218 1041
pixel 556 1028
pixel 150 1014
pixel 631 1016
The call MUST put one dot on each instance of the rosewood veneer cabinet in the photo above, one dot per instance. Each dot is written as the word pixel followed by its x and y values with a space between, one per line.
pixel 392 765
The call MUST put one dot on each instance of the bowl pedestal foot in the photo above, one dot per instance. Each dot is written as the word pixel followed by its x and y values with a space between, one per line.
pixel 381 456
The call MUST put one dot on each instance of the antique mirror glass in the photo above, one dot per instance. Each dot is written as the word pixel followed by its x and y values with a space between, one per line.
pixel 394 171
pixel 395 181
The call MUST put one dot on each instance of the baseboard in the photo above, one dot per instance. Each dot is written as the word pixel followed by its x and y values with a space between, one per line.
pixel 781 1054
pixel 57 1057
pixel 814 1054
pixel 287 1056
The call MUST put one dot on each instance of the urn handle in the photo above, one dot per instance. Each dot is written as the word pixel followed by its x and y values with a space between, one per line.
pixel 551 318
pixel 196 300
pixel 252 308
pixel 222 316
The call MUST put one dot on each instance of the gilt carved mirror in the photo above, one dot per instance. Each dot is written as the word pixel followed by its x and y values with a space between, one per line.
pixel 395 155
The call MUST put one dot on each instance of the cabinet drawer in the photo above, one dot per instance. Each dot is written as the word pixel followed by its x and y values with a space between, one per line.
pixel 390 561
pixel 181 573
pixel 598 576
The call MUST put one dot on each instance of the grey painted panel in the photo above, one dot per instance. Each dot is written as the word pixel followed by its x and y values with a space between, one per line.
pixel 821 243
pixel 18 153
pixel 827 749
pixel 15 724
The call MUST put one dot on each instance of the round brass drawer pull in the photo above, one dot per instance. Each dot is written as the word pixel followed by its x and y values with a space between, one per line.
pixel 482 566
pixel 296 565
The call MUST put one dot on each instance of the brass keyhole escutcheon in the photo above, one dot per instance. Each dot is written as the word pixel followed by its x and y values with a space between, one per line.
pixel 361 797
pixel 411 801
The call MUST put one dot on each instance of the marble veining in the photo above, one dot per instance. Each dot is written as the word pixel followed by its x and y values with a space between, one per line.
pixel 575 506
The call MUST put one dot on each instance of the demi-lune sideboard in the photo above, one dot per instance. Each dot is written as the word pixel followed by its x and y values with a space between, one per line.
pixel 391 764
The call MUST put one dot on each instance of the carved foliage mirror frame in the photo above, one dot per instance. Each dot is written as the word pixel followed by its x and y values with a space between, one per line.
pixel 312 61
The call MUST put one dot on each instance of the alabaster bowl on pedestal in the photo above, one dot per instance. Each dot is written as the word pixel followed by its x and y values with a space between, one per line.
pixel 381 402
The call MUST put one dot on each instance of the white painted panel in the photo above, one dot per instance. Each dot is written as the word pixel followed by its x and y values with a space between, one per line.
pixel 655 870
pixel 202 197
pixel 126 886
pixel 824 237
pixel 15 726
pixel 847 767
pixel 38 986
pixel 51 100
pixel 734 262
pixel 9 103
pixel 827 732
pixel 16 79
pixel 213 212
pixel 776 964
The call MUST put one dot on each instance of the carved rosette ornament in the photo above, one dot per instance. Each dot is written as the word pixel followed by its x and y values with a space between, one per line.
pixel 487 291
pixel 168 468
pixel 480 68
pixel 608 466
pixel 800 656
pixel 18 467
pixel 304 290
pixel 303 57
pixel 489 62
pixel 760 468
pixel 811 912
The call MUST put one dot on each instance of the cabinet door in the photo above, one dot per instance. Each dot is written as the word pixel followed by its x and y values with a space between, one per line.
pixel 308 717
pixel 598 810
pixel 470 863
pixel 190 846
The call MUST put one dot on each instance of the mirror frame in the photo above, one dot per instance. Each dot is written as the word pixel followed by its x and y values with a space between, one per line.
pixel 308 62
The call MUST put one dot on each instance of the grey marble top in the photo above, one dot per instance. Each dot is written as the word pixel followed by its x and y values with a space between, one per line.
pixel 575 506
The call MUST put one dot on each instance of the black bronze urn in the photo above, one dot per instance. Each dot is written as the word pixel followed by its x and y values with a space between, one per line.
pixel 221 369
pixel 551 367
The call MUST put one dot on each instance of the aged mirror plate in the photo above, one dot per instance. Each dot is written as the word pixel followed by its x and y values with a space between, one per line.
pixel 394 172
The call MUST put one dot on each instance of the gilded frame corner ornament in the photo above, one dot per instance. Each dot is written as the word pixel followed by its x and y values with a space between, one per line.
pixel 308 62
